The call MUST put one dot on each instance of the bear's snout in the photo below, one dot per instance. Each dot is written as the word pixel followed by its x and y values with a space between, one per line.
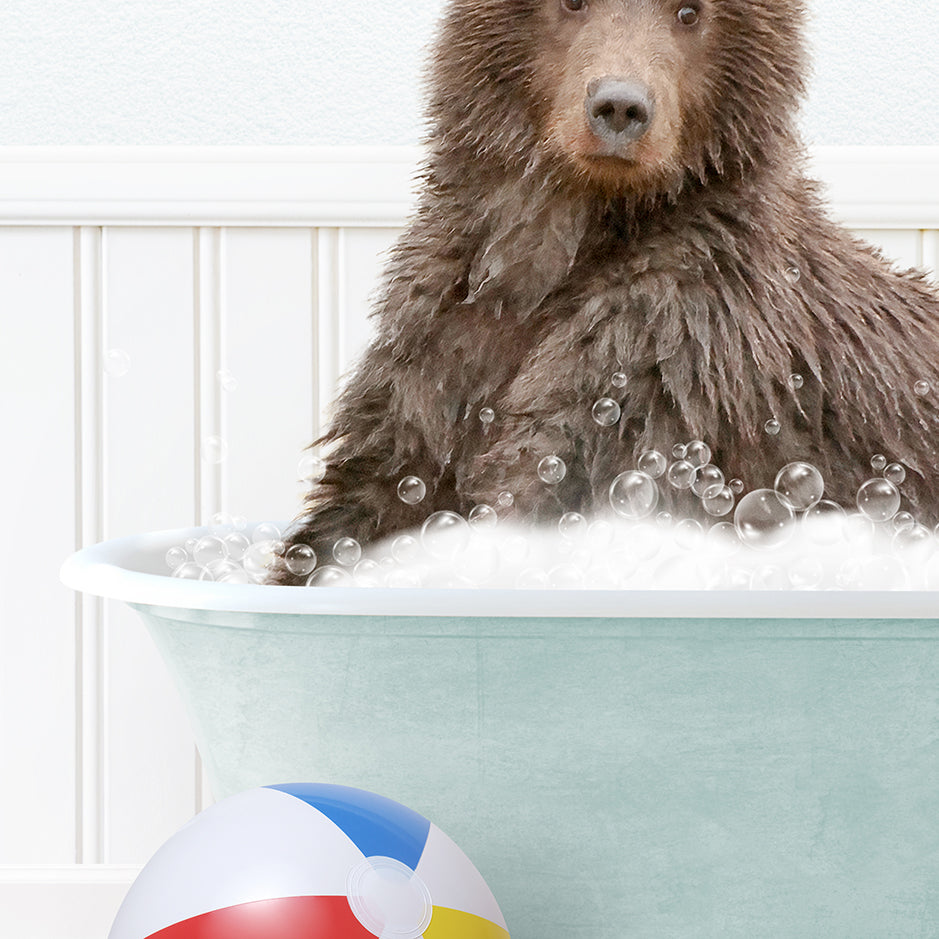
pixel 619 112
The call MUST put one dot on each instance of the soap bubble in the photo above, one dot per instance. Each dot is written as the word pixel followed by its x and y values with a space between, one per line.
pixel 688 533
pixel 903 520
pixel 311 468
pixel 236 543
pixel 678 451
pixel 572 526
pixel 209 548
pixel 330 576
pixel 793 274
pixel 705 477
pixel 347 552
pixel 411 490
pixel 914 543
pixel 921 388
pixel 652 463
pixel 878 462
pixel 601 534
pixel 722 537
pixel 772 427
pixel 718 500
pixel 221 569
pixel 633 495
pixel 444 535
pixel 220 524
pixel 483 516
pixel 858 528
pixel 505 499
pixel 681 474
pixel 698 453
pixel 368 573
pixel 619 379
pixel 487 415
pixel 552 469
pixel 762 519
pixel 824 522
pixel 214 449
pixel 405 549
pixel 259 558
pixel 736 486
pixel 116 363
pixel 606 412
pixel 799 485
pixel 896 473
pixel 188 571
pixel 238 575
pixel 300 559
pixel 878 499
pixel 176 557
pixel 796 381
pixel 806 573
pixel 265 531
pixel 226 380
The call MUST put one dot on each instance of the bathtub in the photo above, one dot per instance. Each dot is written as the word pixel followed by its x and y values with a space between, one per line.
pixel 648 764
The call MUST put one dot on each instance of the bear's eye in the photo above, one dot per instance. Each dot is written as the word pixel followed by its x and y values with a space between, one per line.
pixel 574 6
pixel 688 16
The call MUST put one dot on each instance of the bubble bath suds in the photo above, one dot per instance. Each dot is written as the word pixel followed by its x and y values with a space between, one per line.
pixel 785 538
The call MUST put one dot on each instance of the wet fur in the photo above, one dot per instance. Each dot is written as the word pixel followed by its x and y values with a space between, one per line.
pixel 526 279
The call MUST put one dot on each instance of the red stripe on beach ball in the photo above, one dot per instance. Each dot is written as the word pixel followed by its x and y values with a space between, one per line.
pixel 285 918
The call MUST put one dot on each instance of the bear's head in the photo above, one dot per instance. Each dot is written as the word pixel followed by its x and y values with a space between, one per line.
pixel 620 95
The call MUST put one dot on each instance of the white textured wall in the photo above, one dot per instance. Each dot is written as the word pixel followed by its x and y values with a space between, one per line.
pixel 344 71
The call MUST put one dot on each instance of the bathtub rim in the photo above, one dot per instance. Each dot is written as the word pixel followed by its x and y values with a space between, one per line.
pixel 112 570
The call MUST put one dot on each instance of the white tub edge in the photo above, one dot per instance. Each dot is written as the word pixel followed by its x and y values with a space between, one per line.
pixel 106 570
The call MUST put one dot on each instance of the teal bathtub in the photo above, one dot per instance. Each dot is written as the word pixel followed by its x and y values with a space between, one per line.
pixel 644 764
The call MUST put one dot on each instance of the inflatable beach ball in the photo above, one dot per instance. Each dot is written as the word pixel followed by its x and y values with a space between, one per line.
pixel 309 861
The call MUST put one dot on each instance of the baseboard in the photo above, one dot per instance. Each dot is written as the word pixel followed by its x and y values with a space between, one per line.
pixel 869 187
pixel 68 902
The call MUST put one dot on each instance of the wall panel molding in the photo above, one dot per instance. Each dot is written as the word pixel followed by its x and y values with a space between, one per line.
pixel 869 187
pixel 210 186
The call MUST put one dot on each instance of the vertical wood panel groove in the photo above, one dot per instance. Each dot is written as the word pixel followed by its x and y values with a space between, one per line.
pixel 90 704
pixel 207 364
pixel 315 403
pixel 208 360
pixel 328 300
pixel 78 442
pixel 930 259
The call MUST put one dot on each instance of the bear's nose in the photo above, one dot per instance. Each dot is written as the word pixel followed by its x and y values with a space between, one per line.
pixel 619 111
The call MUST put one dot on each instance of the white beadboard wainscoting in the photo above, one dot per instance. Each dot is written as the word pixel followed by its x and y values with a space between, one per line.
pixel 129 279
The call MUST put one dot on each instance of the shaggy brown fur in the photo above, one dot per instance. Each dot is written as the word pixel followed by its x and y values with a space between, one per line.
pixel 697 259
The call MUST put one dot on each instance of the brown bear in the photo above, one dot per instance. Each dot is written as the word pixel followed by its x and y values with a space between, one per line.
pixel 616 188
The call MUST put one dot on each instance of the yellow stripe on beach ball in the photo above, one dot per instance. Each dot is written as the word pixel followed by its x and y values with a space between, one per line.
pixel 455 924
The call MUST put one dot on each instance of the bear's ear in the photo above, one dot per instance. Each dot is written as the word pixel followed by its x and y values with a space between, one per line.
pixel 527 252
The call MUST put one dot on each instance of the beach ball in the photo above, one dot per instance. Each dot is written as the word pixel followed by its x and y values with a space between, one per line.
pixel 309 861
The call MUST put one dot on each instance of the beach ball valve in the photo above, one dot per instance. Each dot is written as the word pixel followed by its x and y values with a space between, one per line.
pixel 309 861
